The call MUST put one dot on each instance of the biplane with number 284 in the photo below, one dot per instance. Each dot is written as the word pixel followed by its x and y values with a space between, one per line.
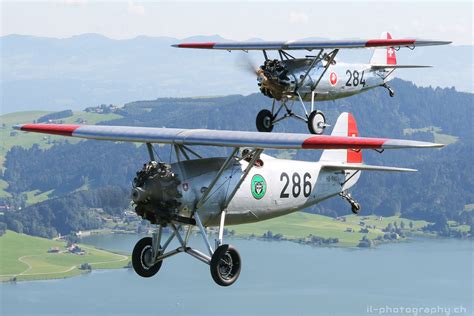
pixel 290 80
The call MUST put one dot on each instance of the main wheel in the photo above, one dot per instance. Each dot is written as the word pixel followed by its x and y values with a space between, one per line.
pixel 225 265
pixel 142 258
pixel 316 122
pixel 264 121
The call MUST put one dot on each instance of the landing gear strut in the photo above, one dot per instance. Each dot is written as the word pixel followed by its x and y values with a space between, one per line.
pixel 355 206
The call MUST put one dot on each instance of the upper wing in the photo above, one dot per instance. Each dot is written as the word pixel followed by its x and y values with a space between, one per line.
pixel 309 45
pixel 220 138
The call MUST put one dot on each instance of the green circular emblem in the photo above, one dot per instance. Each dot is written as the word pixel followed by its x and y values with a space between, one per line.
pixel 258 186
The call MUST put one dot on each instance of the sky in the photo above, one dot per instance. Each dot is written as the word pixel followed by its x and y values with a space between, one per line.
pixel 241 20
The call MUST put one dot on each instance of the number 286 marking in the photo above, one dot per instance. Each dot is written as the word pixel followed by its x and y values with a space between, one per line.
pixel 296 185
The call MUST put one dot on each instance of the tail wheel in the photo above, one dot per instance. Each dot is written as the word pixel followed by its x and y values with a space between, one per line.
pixel 142 258
pixel 316 122
pixel 264 121
pixel 225 265
pixel 355 208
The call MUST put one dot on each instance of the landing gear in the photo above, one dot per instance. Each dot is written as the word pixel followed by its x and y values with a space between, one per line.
pixel 225 265
pixel 355 206
pixel 264 121
pixel 391 92
pixel 143 258
pixel 316 122
pixel 149 253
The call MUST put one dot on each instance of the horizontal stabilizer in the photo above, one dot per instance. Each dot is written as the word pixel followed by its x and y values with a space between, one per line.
pixel 342 166
pixel 376 67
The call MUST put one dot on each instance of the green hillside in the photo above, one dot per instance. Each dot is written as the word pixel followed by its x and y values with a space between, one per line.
pixel 26 258
pixel 10 137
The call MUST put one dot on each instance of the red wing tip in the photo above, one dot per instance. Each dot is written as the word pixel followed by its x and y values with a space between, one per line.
pixel 208 45
pixel 56 129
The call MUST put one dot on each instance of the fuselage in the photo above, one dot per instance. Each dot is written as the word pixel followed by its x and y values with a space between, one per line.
pixel 276 188
pixel 339 81
pixel 343 80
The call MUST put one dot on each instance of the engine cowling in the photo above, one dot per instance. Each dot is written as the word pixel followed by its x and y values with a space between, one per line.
pixel 155 192
pixel 273 79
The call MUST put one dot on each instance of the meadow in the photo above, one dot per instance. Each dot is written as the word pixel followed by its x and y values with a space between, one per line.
pixel 26 257
pixel 301 225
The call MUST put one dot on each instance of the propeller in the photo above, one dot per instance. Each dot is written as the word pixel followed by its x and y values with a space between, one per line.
pixel 248 64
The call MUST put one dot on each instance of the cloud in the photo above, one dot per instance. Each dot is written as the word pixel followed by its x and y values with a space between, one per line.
pixel 73 2
pixel 136 8
pixel 298 17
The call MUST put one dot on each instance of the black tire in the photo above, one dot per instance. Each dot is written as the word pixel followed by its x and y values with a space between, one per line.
pixel 225 265
pixel 264 121
pixel 314 118
pixel 142 249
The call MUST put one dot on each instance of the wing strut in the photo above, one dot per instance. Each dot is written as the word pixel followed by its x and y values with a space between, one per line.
pixel 226 164
pixel 326 67
pixel 315 60
pixel 149 146
pixel 255 155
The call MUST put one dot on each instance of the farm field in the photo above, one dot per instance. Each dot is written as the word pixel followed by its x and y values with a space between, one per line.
pixel 26 257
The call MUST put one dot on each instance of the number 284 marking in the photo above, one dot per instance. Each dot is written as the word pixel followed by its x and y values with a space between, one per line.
pixel 297 186
pixel 355 78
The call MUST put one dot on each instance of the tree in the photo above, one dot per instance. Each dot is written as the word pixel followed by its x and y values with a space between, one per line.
pixel 365 242
pixel 3 228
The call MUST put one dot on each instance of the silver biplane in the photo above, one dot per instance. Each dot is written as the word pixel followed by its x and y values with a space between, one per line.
pixel 317 77
pixel 246 186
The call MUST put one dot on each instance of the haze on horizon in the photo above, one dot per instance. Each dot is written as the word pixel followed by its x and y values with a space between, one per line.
pixel 241 20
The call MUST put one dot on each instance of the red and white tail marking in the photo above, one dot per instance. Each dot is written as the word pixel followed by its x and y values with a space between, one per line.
pixel 391 56
pixel 345 126
pixel 353 156
pixel 384 55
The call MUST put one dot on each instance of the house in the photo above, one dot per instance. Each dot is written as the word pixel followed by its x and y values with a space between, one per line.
pixel 53 250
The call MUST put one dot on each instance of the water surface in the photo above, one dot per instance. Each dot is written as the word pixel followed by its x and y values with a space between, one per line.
pixel 278 278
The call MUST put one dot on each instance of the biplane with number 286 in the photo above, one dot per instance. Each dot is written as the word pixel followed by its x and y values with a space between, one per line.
pixel 246 186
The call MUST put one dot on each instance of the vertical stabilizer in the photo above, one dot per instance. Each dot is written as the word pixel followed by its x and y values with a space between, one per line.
pixel 345 126
pixel 384 56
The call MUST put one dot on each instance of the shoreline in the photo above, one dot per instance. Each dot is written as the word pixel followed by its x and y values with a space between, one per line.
pixel 412 239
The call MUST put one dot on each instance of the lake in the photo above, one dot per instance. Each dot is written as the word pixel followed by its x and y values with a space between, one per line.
pixel 421 277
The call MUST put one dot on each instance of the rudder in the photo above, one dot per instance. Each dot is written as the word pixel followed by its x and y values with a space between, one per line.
pixel 346 125
pixel 384 56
